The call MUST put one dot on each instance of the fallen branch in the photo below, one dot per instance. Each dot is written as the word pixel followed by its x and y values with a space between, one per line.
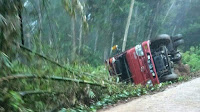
pixel 48 59
pixel 39 55
pixel 24 93
pixel 56 78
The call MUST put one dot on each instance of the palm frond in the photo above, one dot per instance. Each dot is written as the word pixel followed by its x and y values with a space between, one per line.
pixel 2 20
pixel 5 59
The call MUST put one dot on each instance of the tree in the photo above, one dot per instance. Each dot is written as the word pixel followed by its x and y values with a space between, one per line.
pixel 71 7
pixel 127 26
pixel 40 25
pixel 9 32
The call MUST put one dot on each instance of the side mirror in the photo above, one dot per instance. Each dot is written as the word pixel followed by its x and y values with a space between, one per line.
pixel 115 47
pixel 115 50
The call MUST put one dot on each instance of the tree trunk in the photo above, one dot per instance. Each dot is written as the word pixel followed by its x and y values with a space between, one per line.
pixel 174 30
pixel 153 22
pixel 106 52
pixel 138 34
pixel 96 40
pixel 113 38
pixel 151 28
pixel 21 26
pixel 135 18
pixel 168 11
pixel 73 54
pixel 135 25
pixel 51 34
pixel 127 26
pixel 40 25
pixel 80 37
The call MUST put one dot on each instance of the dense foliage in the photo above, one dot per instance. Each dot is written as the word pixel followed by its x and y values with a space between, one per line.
pixel 192 58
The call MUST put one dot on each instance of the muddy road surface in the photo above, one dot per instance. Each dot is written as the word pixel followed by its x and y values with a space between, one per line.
pixel 182 98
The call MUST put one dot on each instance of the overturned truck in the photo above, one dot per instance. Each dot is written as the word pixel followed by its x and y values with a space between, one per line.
pixel 148 63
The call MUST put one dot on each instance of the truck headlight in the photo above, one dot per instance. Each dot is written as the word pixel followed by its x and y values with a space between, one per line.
pixel 139 50
pixel 149 83
pixel 153 74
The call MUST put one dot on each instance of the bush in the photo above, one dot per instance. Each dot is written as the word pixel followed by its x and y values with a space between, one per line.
pixel 192 58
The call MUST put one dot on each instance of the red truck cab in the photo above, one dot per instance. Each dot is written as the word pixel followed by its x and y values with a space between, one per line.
pixel 141 64
pixel 135 65
pixel 148 63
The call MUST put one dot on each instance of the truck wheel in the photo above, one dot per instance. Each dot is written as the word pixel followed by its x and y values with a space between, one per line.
pixel 169 77
pixel 177 57
pixel 178 43
pixel 177 37
pixel 161 40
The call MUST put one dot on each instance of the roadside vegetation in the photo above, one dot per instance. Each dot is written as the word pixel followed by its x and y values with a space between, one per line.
pixel 89 88
pixel 128 92
pixel 192 58
pixel 99 91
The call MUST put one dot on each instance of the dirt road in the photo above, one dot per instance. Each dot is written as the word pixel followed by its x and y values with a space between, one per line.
pixel 182 98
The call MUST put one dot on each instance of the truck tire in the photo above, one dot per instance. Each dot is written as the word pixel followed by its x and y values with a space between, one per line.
pixel 169 77
pixel 178 43
pixel 161 40
pixel 177 37
pixel 177 57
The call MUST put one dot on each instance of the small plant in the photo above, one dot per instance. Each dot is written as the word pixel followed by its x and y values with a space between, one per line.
pixel 192 58
pixel 12 101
